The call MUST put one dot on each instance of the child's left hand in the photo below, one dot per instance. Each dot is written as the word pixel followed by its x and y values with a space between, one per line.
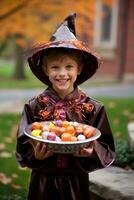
pixel 40 150
pixel 85 152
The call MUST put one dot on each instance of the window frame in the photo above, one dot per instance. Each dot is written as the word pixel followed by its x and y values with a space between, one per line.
pixel 97 42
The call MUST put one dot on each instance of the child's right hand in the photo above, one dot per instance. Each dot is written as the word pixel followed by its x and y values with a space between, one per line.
pixel 40 150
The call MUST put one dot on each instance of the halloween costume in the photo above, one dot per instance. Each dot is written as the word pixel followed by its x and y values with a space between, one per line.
pixel 64 176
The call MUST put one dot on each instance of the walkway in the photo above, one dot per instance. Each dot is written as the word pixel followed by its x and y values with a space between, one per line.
pixel 12 100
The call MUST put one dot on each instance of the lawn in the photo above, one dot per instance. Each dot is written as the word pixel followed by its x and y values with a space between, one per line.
pixel 7 80
pixel 120 112
pixel 13 179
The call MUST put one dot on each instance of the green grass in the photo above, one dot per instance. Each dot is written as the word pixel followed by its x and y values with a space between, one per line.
pixel 17 188
pixel 7 80
pixel 120 113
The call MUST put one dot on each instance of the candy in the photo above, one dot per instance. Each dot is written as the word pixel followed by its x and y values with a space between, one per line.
pixel 44 135
pixel 89 131
pixel 51 136
pixel 51 125
pixel 81 137
pixel 36 125
pixel 58 139
pixel 66 137
pixel 45 128
pixel 59 130
pixel 36 133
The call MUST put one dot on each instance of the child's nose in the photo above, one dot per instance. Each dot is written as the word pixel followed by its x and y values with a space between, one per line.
pixel 62 72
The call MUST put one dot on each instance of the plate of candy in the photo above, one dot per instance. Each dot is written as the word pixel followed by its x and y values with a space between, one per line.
pixel 62 136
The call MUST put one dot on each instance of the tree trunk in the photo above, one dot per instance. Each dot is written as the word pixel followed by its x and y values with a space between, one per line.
pixel 3 46
pixel 19 72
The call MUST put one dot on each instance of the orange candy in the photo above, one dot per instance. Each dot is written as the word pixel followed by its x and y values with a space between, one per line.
pixel 65 124
pixel 89 132
pixel 55 129
pixel 85 127
pixel 62 130
pixel 74 139
pixel 36 126
pixel 70 129
pixel 66 137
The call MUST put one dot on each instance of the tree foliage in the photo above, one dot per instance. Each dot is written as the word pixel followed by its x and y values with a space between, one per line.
pixel 28 22
pixel 37 19
pixel 34 19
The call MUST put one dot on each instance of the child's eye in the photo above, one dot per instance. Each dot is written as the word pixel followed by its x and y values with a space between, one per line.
pixel 54 67
pixel 69 66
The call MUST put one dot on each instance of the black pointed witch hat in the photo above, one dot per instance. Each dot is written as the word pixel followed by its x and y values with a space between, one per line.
pixel 64 37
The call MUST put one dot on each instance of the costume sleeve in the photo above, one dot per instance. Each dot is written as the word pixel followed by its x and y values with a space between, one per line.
pixel 24 150
pixel 104 150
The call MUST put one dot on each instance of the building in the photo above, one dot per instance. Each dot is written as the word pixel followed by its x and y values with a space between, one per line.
pixel 113 38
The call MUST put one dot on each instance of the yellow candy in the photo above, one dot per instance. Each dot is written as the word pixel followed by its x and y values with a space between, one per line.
pixel 51 125
pixel 36 133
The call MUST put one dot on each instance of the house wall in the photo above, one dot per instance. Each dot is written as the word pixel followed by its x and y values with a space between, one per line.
pixel 130 42
pixel 111 66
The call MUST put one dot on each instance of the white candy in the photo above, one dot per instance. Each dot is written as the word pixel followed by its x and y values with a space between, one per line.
pixel 58 139
pixel 45 128
pixel 75 124
pixel 81 137
pixel 44 135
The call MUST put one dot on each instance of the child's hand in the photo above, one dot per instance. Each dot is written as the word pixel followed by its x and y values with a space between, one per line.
pixel 40 150
pixel 85 152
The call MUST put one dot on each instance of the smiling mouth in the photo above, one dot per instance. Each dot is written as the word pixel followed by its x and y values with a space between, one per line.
pixel 62 81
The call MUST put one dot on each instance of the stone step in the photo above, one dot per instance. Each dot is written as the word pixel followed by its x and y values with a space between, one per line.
pixel 112 183
pixel 131 135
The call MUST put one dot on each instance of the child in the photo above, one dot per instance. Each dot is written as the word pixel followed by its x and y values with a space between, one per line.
pixel 63 64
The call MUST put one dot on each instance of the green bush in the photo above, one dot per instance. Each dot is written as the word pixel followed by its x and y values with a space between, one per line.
pixel 124 157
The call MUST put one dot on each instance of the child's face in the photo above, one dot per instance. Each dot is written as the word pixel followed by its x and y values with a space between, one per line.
pixel 62 73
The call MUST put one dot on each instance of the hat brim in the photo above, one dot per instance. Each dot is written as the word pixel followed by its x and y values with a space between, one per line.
pixel 90 62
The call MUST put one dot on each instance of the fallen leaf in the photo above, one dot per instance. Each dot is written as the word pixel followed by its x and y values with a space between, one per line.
pixel 126 112
pixel 14 175
pixel 2 146
pixel 116 121
pixel 16 186
pixel 8 140
pixel 111 104
pixel 131 116
pixel 4 179
pixel 14 131
pixel 118 134
pixel 5 155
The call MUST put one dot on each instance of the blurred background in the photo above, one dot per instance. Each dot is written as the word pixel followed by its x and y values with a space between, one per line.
pixel 107 27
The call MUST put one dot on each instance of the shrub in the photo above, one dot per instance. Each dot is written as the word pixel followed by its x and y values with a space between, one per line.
pixel 124 157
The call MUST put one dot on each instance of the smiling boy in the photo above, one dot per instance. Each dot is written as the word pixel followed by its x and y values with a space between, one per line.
pixel 63 64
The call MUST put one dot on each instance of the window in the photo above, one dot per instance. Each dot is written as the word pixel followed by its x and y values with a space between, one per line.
pixel 105 25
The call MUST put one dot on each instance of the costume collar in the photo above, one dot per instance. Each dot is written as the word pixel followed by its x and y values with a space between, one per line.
pixel 73 107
